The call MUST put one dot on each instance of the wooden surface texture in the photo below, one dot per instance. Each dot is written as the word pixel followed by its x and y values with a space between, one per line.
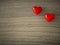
pixel 20 26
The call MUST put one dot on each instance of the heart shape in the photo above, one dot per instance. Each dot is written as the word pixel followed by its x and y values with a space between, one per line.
pixel 37 10
pixel 49 17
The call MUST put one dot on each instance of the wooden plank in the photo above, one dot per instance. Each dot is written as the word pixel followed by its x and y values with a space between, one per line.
pixel 19 26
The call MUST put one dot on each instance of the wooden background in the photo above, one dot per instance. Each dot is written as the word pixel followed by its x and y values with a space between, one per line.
pixel 19 26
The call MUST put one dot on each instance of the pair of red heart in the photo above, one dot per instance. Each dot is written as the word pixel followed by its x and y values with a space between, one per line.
pixel 47 16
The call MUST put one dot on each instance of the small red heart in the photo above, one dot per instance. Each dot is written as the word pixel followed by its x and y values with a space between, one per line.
pixel 37 10
pixel 49 17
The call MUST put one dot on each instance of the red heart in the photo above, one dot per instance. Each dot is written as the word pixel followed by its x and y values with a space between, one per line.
pixel 37 10
pixel 49 17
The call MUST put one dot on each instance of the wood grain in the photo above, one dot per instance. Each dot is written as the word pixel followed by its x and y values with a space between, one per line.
pixel 19 26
